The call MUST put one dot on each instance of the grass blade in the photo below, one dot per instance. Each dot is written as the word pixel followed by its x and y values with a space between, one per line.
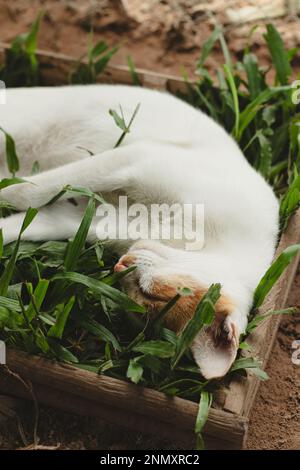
pixel 204 315
pixel 10 304
pixel 5 182
pixel 279 54
pixel 57 330
pixel 235 98
pixel 101 288
pixel 260 318
pixel 76 192
pixel 273 274
pixel 120 122
pixel 37 299
pixel 134 371
pixel 207 46
pixel 266 155
pixel 76 246
pixel 249 363
pixel 157 348
pixel 8 272
pixel 290 201
pixel 254 76
pixel 134 76
pixel 249 113
pixel 99 330
pixel 203 410
pixel 12 159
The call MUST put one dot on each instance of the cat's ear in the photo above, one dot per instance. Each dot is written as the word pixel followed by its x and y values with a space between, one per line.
pixel 215 348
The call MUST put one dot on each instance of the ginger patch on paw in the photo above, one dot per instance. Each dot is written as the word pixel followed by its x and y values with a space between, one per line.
pixel 176 319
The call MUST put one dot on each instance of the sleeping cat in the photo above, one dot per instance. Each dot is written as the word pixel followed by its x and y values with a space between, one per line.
pixel 173 154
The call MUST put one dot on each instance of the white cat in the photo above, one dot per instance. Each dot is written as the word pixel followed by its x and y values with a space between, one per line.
pixel 173 154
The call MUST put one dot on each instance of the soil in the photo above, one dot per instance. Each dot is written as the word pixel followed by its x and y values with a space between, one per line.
pixel 161 40
pixel 166 38
pixel 275 419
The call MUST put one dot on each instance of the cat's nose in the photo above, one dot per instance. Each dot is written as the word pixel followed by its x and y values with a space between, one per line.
pixel 119 267
pixel 124 263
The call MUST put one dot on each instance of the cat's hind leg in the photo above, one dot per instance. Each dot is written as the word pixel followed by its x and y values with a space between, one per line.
pixel 104 172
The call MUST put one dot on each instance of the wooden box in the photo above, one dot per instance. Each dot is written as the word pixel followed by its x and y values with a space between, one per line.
pixel 141 409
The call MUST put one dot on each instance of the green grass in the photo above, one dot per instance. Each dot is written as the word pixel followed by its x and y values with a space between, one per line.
pixel 120 122
pixel 21 66
pixel 62 300
pixel 98 56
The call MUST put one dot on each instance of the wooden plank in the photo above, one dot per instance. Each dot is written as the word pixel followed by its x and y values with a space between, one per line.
pixel 241 393
pixel 119 395
pixel 135 422
pixel 9 406
pixel 55 70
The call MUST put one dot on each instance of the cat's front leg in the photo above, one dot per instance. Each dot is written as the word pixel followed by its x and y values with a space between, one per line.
pixel 101 173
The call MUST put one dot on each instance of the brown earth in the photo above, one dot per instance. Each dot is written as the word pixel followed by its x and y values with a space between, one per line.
pixel 167 38
pixel 161 43
pixel 275 419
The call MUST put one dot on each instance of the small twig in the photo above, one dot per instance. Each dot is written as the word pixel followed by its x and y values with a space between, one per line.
pixel 39 447
pixel 7 411
pixel 29 388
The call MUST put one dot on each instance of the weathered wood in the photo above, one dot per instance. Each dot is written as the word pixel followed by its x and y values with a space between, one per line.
pixel 9 406
pixel 121 396
pixel 56 67
pixel 241 393
pixel 136 422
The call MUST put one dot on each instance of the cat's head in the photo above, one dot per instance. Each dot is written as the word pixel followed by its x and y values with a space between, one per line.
pixel 160 272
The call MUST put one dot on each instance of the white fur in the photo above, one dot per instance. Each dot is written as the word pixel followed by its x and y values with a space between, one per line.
pixel 174 153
